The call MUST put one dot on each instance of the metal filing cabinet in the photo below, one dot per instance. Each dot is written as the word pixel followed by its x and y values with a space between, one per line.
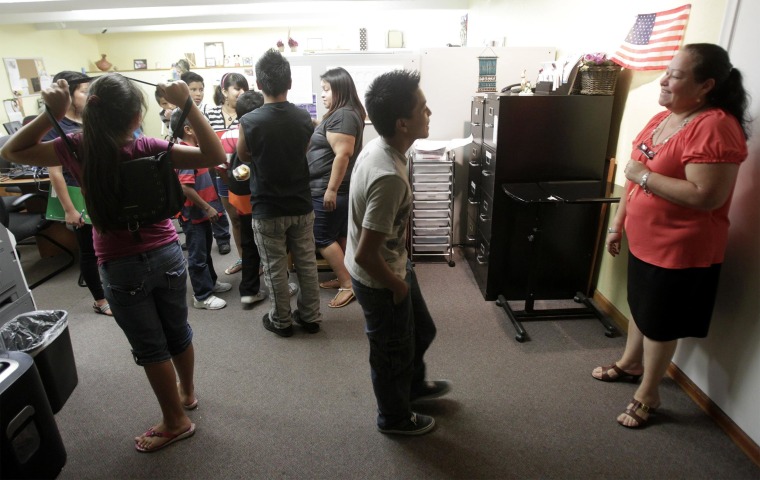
pixel 432 179
pixel 524 139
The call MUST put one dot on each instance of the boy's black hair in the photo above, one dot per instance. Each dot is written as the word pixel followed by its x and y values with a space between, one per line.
pixel 190 77
pixel 178 130
pixel 248 102
pixel 159 96
pixel 69 75
pixel 273 73
pixel 389 97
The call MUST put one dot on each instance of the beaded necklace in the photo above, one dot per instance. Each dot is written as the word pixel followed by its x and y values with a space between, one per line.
pixel 658 130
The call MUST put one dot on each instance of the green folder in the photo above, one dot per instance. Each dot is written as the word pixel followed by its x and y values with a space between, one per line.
pixel 55 209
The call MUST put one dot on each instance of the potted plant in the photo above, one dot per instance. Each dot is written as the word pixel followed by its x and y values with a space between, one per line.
pixel 292 44
pixel 598 74
pixel 280 46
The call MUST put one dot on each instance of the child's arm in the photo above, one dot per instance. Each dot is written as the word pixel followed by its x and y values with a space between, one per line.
pixel 193 196
pixel 210 152
pixel 25 147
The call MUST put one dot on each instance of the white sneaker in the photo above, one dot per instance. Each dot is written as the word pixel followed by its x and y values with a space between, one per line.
pixel 251 299
pixel 211 303
pixel 220 287
pixel 292 289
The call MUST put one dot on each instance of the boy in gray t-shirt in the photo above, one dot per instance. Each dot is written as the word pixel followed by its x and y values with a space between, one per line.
pixel 398 324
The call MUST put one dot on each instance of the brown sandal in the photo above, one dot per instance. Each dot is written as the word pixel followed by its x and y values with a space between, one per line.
pixel 639 412
pixel 621 374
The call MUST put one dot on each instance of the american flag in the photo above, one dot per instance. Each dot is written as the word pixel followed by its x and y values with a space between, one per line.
pixel 654 40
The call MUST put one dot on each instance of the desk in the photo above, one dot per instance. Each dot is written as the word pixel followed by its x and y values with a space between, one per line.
pixel 555 225
pixel 57 231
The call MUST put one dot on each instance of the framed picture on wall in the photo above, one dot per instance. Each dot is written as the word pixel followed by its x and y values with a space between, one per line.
pixel 213 52
pixel 140 64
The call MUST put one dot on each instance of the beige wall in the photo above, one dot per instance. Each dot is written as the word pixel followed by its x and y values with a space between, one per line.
pixel 60 50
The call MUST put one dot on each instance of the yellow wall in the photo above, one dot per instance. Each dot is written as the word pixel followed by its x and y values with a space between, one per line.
pixel 60 50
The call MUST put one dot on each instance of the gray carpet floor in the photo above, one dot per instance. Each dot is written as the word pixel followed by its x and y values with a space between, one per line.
pixel 303 407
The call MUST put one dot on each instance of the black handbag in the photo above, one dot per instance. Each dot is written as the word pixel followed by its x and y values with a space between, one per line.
pixel 149 186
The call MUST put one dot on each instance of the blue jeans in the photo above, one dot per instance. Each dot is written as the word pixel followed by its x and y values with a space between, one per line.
pixel 147 294
pixel 221 228
pixel 399 335
pixel 199 263
pixel 274 236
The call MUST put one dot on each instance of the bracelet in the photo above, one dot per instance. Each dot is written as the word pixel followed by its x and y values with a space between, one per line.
pixel 612 230
pixel 643 183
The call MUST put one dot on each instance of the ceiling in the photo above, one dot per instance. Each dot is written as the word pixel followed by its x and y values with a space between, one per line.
pixel 101 16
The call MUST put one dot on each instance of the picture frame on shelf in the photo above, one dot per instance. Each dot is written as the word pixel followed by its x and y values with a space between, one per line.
pixel 190 57
pixel 213 52
pixel 140 64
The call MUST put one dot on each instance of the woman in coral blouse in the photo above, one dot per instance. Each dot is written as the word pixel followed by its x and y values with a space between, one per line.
pixel 681 177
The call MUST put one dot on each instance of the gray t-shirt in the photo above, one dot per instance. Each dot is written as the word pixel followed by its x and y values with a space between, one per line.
pixel 320 156
pixel 380 199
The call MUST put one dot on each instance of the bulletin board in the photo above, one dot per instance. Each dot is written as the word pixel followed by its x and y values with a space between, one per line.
pixel 26 76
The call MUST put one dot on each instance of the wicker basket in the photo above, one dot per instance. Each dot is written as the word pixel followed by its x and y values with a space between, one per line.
pixel 599 80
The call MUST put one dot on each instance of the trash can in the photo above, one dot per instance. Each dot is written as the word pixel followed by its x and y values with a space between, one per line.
pixel 44 334
pixel 30 443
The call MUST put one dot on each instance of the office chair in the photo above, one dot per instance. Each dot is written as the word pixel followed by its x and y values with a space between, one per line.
pixel 25 225
pixel 5 168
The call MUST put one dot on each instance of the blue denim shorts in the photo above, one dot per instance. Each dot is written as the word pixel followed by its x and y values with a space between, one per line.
pixel 330 226
pixel 148 297
pixel 221 188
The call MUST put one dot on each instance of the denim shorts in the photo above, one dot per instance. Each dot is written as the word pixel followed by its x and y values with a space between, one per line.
pixel 221 188
pixel 330 226
pixel 147 293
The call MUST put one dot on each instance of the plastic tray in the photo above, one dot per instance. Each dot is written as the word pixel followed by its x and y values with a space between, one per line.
pixel 432 187
pixel 431 222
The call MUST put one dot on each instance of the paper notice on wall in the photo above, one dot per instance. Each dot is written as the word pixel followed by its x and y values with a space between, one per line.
pixel 301 90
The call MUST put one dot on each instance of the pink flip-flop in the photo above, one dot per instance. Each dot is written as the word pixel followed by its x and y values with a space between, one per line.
pixel 173 437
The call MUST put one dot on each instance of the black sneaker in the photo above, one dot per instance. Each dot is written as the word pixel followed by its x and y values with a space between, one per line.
pixel 224 248
pixel 283 332
pixel 309 327
pixel 417 425
pixel 430 389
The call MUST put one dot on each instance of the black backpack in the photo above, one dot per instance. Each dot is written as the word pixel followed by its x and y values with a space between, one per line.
pixel 149 186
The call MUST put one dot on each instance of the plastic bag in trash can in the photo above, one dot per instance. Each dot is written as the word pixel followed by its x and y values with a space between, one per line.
pixel 32 331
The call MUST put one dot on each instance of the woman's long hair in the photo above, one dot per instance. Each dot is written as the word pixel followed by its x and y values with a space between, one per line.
pixel 228 80
pixel 728 94
pixel 113 105
pixel 343 92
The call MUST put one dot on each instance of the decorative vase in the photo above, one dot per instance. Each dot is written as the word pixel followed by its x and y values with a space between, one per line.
pixel 103 64
pixel 281 49
pixel 293 49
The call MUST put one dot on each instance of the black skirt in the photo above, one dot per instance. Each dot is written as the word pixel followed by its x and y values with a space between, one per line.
pixel 668 304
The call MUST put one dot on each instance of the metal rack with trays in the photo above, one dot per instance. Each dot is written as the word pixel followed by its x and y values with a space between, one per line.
pixel 432 180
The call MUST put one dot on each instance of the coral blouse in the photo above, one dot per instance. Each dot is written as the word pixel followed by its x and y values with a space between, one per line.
pixel 672 236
